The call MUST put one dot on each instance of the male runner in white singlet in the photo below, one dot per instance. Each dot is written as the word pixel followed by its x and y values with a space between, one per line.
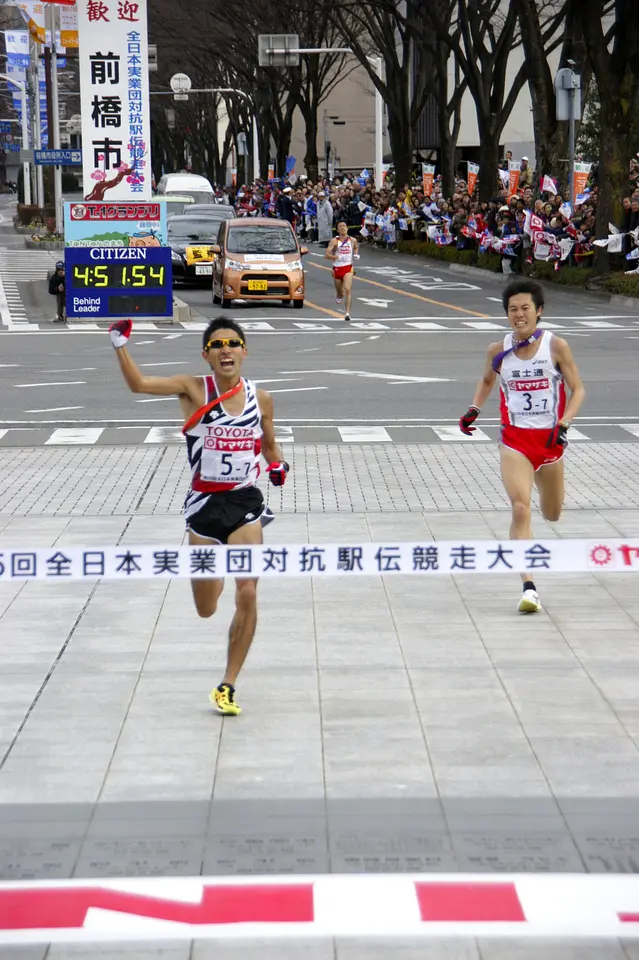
pixel 342 250
pixel 534 368
pixel 228 425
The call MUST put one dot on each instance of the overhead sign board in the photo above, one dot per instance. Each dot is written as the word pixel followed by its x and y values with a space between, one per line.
pixel 48 158
pixel 114 89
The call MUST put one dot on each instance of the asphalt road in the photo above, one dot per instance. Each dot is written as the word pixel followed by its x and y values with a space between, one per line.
pixel 412 354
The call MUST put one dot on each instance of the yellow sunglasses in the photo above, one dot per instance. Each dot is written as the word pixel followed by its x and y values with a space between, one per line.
pixel 217 344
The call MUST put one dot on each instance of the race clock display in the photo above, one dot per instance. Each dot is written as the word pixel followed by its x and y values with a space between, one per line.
pixel 109 282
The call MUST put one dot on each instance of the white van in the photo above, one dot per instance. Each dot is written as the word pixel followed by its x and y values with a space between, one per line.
pixel 186 184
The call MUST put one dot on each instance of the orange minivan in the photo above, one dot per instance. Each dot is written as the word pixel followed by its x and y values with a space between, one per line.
pixel 258 259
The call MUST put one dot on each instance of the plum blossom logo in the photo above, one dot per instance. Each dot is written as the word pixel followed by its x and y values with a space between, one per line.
pixel 98 175
pixel 601 555
pixel 135 178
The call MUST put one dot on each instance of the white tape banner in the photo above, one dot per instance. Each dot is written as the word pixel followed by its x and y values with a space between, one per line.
pixel 327 560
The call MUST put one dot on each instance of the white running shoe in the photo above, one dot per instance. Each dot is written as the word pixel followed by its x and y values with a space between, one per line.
pixel 347 317
pixel 529 602
pixel 338 299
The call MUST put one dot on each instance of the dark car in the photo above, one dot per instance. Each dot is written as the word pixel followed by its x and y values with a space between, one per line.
pixel 221 211
pixel 191 237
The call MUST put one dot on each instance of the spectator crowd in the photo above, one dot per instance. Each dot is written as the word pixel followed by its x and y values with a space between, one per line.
pixel 532 221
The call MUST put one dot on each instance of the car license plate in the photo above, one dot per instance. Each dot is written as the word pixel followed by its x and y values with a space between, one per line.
pixel 257 285
pixel 201 269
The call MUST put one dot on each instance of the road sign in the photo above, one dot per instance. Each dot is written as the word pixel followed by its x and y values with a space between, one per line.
pixel 8 138
pixel 48 158
pixel 286 42
pixel 180 83
pixel 5 126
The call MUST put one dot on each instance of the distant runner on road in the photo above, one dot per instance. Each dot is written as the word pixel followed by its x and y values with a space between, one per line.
pixel 228 425
pixel 342 250
pixel 534 369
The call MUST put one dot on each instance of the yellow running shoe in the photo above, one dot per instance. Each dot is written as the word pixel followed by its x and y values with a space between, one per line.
pixel 223 699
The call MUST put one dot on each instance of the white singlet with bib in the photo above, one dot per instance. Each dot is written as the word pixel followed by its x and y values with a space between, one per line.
pixel 533 395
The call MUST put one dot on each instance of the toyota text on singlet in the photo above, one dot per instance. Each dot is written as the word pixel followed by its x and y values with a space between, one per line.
pixel 223 449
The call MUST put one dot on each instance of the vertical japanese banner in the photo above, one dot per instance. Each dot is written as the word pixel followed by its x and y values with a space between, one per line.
pixel 473 173
pixel 514 169
pixel 114 93
pixel 580 179
pixel 428 177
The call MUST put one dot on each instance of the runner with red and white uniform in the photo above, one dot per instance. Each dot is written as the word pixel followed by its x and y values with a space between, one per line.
pixel 534 369
pixel 342 250
pixel 228 426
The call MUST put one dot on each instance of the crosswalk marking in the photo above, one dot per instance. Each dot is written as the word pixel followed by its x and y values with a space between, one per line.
pixel 75 435
pixel 575 434
pixel 454 433
pixel 164 435
pixel 545 325
pixel 364 434
pixel 597 324
pixel 632 428
pixel 483 325
pixel 424 325
pixel 2 433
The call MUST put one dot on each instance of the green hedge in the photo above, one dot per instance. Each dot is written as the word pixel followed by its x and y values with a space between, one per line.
pixel 618 283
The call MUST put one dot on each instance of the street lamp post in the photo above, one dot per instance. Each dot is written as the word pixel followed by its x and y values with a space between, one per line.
pixel 183 88
pixel 26 171
pixel 287 52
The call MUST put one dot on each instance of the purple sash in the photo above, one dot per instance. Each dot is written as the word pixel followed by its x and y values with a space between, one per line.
pixel 497 362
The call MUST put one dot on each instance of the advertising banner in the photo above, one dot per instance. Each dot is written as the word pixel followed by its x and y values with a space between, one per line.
pixel 514 169
pixel 114 88
pixel 473 173
pixel 580 179
pixel 115 224
pixel 428 178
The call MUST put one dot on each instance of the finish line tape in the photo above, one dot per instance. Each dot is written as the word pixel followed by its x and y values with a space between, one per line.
pixel 329 560
pixel 466 905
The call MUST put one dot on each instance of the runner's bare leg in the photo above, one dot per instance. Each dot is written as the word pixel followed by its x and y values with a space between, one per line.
pixel 244 622
pixel 206 593
pixel 348 292
pixel 517 476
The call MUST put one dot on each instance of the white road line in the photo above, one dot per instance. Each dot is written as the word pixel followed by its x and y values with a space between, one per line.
pixel 5 313
pixel 632 428
pixel 57 383
pixel 2 433
pixel 163 435
pixel 364 434
pixel 143 343
pixel 347 343
pixel 164 363
pixel 45 371
pixel 597 324
pixel 82 435
pixel 427 325
pixel 545 325
pixel 577 435
pixel 280 380
pixel 298 389
pixel 156 399
pixel 483 325
pixel 496 299
pixel 53 409
pixel 71 370
pixel 455 434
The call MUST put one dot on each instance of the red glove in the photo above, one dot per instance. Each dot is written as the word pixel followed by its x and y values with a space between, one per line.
pixel 277 473
pixel 120 331
pixel 469 418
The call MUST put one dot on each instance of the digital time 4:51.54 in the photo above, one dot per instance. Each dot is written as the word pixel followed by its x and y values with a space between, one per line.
pixel 109 282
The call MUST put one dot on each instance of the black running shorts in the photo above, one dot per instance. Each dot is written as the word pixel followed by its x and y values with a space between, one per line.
pixel 225 512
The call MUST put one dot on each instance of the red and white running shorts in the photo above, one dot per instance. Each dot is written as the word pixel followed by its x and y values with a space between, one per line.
pixel 531 444
pixel 340 272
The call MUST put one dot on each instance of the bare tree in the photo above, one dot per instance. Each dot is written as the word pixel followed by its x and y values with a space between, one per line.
pixel 386 28
pixel 612 45
pixel 482 44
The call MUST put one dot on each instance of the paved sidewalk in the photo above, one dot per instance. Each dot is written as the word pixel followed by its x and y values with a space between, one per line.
pixel 391 725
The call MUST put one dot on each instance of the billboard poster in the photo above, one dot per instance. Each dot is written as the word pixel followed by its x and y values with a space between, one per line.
pixel 114 94
pixel 115 224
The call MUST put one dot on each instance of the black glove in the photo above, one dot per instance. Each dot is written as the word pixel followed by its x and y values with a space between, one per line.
pixel 558 436
pixel 277 472
pixel 469 418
